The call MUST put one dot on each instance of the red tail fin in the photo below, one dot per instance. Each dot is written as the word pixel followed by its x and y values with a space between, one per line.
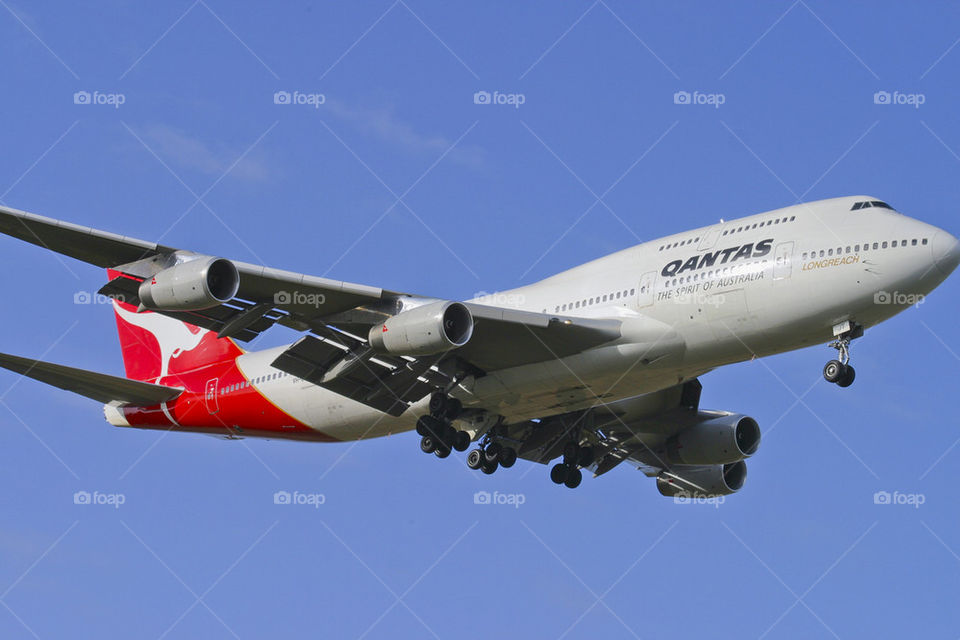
pixel 157 348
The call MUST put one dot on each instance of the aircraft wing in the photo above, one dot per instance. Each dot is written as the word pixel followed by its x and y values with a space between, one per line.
pixel 336 314
pixel 98 386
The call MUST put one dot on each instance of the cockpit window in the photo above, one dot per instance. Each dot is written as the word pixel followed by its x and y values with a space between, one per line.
pixel 871 203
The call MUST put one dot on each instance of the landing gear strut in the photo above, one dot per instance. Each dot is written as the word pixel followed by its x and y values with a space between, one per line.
pixel 840 372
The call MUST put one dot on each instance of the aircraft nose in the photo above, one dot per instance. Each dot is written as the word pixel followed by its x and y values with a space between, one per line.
pixel 946 251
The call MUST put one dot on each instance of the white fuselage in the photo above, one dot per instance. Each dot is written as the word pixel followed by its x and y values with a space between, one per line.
pixel 754 286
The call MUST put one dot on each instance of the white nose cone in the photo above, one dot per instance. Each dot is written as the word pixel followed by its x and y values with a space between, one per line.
pixel 946 252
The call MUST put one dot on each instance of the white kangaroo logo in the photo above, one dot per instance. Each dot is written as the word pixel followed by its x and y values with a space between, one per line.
pixel 173 336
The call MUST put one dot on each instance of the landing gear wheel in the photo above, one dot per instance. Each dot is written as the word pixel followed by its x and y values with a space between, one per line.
pixel 586 456
pixel 848 377
pixel 442 452
pixel 559 473
pixel 475 459
pixel 508 457
pixel 428 444
pixel 573 478
pixel 422 428
pixel 493 451
pixel 834 371
pixel 571 452
pixel 453 409
pixel 438 404
pixel 461 441
pixel 430 426
pixel 489 467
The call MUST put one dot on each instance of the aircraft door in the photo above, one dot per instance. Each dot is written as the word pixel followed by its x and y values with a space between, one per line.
pixel 783 261
pixel 645 290
pixel 213 405
pixel 709 238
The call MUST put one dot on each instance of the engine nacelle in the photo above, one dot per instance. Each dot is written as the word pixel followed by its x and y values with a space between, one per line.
pixel 191 286
pixel 703 482
pixel 432 328
pixel 719 440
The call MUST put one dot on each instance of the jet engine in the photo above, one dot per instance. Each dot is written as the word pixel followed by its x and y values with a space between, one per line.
pixel 702 482
pixel 718 440
pixel 429 329
pixel 191 286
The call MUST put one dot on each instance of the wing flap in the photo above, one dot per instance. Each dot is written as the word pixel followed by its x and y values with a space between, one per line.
pixel 97 386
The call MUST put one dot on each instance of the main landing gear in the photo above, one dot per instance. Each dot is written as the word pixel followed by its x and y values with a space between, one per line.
pixel 491 455
pixel 840 372
pixel 574 457
pixel 437 435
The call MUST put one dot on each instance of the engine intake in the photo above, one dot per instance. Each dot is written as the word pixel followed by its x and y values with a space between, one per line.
pixel 704 481
pixel 432 328
pixel 718 440
pixel 191 286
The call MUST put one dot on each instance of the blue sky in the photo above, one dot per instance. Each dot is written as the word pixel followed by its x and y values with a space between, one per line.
pixel 399 179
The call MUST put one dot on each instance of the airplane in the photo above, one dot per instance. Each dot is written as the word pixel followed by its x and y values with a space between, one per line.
pixel 592 367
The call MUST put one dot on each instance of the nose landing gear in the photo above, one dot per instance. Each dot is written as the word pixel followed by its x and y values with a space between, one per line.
pixel 840 372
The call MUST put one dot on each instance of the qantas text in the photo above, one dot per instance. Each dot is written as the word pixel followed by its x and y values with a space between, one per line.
pixel 723 256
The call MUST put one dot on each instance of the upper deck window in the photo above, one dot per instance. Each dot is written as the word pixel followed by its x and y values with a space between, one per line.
pixel 871 203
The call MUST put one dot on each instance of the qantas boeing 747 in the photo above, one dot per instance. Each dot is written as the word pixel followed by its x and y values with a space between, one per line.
pixel 592 367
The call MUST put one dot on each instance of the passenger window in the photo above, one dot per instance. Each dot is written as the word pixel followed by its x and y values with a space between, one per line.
pixel 792 218
pixel 884 245
pixel 857 248
pixel 894 244
pixel 848 249
pixel 903 243
pixel 632 291
pixel 830 252
pixel 924 241
pixel 821 253
pixel 875 245
pixel 913 242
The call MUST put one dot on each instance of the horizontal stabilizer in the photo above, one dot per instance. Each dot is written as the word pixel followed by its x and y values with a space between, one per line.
pixel 98 386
